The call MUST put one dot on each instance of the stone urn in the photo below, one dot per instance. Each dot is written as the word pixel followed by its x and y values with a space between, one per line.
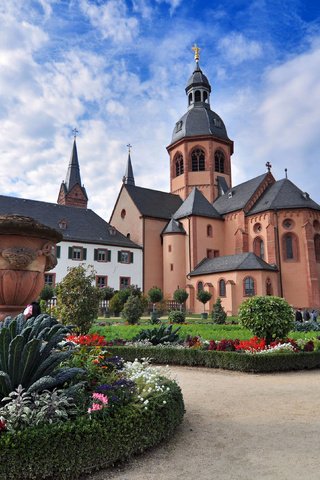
pixel 27 250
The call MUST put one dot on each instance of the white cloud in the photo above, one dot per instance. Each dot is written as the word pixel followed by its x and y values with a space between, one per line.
pixel 236 48
pixel 112 20
pixel 174 4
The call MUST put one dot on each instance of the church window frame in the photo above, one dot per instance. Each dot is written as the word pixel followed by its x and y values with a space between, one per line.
pixel 209 231
pixel 269 288
pixel 290 245
pixel 205 97
pixel 178 164
pixel 317 247
pixel 190 98
pixel 198 160
pixel 219 161
pixel 222 288
pixel 258 247
pixel 316 225
pixel 200 286
pixel 249 287
pixel 197 96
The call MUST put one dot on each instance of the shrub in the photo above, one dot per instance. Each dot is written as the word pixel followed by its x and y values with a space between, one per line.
pixel 47 293
pixel 204 296
pixel 155 295
pixel 159 335
pixel 310 326
pixel 106 293
pixel 176 316
pixel 115 304
pixel 267 317
pixel 78 299
pixel 218 314
pixel 132 310
pixel 29 355
pixel 180 295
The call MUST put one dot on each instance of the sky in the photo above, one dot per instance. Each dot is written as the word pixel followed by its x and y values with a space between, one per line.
pixel 117 69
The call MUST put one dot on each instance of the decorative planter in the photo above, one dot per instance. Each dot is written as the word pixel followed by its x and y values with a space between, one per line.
pixel 27 250
pixel 204 315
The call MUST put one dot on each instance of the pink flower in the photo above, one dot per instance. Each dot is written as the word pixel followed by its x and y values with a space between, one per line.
pixel 99 396
pixel 95 407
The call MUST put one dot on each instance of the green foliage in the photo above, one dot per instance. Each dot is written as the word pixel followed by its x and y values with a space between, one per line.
pixel 218 314
pixel 227 360
pixel 29 355
pixel 106 293
pixel 132 310
pixel 78 298
pixel 67 450
pixel 155 295
pixel 267 317
pixel 119 299
pixel 21 409
pixel 159 335
pixel 115 304
pixel 180 295
pixel 310 326
pixel 47 293
pixel 176 316
pixel 204 296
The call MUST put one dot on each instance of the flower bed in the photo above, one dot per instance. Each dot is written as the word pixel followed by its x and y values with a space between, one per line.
pixel 110 410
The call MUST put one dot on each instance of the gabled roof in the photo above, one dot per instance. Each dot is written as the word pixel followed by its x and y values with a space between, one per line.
pixel 196 204
pixel 283 194
pixel 81 224
pixel 153 203
pixel 174 226
pixel 237 197
pixel 227 263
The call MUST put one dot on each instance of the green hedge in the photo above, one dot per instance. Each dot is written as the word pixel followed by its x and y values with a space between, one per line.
pixel 275 362
pixel 67 450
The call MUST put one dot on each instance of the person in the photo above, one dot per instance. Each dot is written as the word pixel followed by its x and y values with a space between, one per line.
pixel 298 315
pixel 306 315
pixel 32 310
pixel 313 315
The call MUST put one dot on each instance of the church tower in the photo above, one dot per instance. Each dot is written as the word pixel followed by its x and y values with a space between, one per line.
pixel 72 193
pixel 200 150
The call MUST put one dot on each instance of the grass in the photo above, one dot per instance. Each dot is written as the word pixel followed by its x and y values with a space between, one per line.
pixel 206 331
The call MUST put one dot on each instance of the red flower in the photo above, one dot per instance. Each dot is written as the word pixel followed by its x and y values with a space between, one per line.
pixel 254 344
pixel 91 340
pixel 2 426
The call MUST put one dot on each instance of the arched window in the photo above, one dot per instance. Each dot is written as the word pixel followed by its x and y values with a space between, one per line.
pixel 248 287
pixel 258 247
pixel 199 287
pixel 197 96
pixel 290 247
pixel 190 98
pixel 205 97
pixel 178 165
pixel 209 231
pixel 219 161
pixel 317 247
pixel 197 160
pixel 222 288
pixel 268 287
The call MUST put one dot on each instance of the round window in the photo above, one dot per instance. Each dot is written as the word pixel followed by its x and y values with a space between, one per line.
pixel 257 227
pixel 288 223
pixel 123 213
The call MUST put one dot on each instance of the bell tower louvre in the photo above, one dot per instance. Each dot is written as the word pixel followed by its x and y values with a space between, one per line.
pixel 200 150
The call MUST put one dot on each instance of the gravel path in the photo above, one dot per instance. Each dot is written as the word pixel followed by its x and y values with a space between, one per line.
pixel 237 427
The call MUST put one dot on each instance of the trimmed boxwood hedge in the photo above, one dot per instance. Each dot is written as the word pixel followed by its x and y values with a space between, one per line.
pixel 67 450
pixel 271 362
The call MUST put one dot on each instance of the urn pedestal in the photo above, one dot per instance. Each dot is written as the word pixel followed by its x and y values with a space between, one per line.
pixel 27 250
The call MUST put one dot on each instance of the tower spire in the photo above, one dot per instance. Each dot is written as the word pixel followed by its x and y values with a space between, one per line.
pixel 128 177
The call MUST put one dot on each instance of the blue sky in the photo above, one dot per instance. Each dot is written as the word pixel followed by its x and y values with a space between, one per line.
pixel 117 70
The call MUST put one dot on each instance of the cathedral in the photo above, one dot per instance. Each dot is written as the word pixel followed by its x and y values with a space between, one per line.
pixel 261 237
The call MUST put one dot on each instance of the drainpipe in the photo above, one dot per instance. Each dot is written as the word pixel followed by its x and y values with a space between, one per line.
pixel 189 226
pixel 278 251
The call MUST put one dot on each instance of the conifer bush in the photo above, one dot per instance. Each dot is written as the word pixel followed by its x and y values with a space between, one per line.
pixel 132 310
pixel 218 314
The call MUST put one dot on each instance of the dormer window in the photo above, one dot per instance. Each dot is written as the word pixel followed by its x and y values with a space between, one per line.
pixel 62 224
pixel 112 231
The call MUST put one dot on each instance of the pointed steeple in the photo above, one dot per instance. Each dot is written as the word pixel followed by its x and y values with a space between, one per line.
pixel 71 192
pixel 73 173
pixel 128 177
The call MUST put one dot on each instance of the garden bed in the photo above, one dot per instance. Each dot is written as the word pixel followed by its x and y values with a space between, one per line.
pixel 67 450
pixel 243 362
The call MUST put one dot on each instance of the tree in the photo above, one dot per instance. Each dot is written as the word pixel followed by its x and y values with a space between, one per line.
pixel 132 310
pixel 47 293
pixel 119 299
pixel 204 297
pixel 180 295
pixel 218 314
pixel 106 293
pixel 267 317
pixel 155 295
pixel 78 298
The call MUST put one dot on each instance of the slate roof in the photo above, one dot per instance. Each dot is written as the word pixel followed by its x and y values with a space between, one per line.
pixel 237 197
pixel 153 203
pixel 196 204
pixel 198 79
pixel 128 176
pixel 283 194
pixel 200 120
pixel 174 226
pixel 227 263
pixel 82 225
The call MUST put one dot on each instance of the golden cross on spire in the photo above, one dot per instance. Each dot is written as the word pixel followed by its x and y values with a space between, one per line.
pixel 196 50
